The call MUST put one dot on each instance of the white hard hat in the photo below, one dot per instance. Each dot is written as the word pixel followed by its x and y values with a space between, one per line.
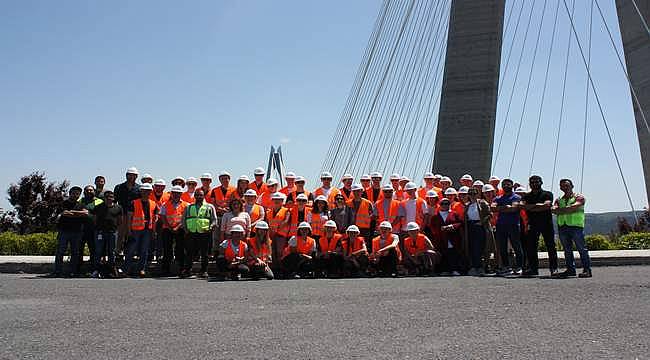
pixel 446 179
pixel 319 198
pixel 494 178
pixel 410 186
pixel 271 182
pixel 304 225
pixel 132 170
pixel 192 179
pixel 365 177
pixel 146 186
pixel 243 178
pixel 353 228
pixel 375 174
pixel 290 175
pixel 463 190
pixel 451 191
pixel 250 192
pixel 487 187
pixel 330 223
pixel 326 175
pixel 261 225
pixel 520 190
pixel 237 228
pixel 301 197
pixel 356 187
pixel 259 171
pixel 429 175
pixel 347 177
pixel 277 196
pixel 177 189
pixel 394 177
pixel 404 178
pixel 478 183
pixel 146 176
pixel 437 176
pixel 412 226
pixel 206 176
pixel 385 225
pixel 178 178
pixel 224 173
pixel 432 193
pixel 160 182
pixel 387 187
pixel 467 177
pixel 300 179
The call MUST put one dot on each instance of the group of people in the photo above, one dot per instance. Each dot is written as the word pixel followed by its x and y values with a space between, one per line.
pixel 252 228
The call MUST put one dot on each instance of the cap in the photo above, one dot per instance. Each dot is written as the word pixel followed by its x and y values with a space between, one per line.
pixel 375 174
pixel 410 186
pixel 385 225
pixel 146 176
pixel 290 175
pixel 302 197
pixel 146 186
pixel 261 225
pixel 347 177
pixel 192 179
pixel 160 182
pixel 319 198
pixel 356 187
pixel 224 173
pixel 132 170
pixel 326 175
pixel 300 179
pixel 244 178
pixel 177 189
pixel 451 191
pixel 353 228
pixel 429 175
pixel 467 177
pixel 365 177
pixel 330 223
pixel 271 182
pixel 394 177
pixel 259 171
pixel 487 187
pixel 206 176
pixel 304 225
pixel 387 187
pixel 250 192
pixel 412 226
pixel 478 183
pixel 277 196
pixel 494 178
pixel 432 194
pixel 237 228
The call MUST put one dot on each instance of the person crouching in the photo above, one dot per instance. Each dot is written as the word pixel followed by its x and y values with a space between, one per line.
pixel 329 260
pixel 355 253
pixel 299 255
pixel 419 255
pixel 385 251
pixel 259 252
pixel 232 259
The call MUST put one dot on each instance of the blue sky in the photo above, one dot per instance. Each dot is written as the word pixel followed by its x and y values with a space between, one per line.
pixel 182 88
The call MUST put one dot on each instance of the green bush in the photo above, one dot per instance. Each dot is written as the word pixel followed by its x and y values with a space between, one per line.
pixel 598 242
pixel 29 244
pixel 634 241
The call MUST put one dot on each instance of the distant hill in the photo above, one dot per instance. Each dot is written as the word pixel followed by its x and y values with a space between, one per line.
pixel 604 223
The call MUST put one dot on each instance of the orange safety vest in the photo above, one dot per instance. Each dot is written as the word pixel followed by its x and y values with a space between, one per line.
pixel 275 220
pixel 305 245
pixel 331 197
pixel 285 190
pixel 263 252
pixel 256 213
pixel 376 247
pixel 413 247
pixel 393 213
pixel 293 222
pixel 218 197
pixel 459 208
pixel 188 198
pixel 265 200
pixel 262 188
pixel 357 244
pixel 419 214
pixel 138 219
pixel 173 214
pixel 346 198
pixel 229 254
pixel 370 197
pixel 329 244
pixel 317 223
pixel 163 198
pixel 363 215
pixel 422 192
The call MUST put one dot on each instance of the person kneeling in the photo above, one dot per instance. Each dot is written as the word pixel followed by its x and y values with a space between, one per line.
pixel 232 259
pixel 298 257
pixel 419 255
pixel 385 251
pixel 330 257
pixel 259 252
pixel 355 253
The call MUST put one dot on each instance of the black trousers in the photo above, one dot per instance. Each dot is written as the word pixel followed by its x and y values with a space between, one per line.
pixel 387 264
pixel 87 237
pixel 354 265
pixel 295 263
pixel 451 260
pixel 261 271
pixel 173 243
pixel 224 266
pixel 197 243
pixel 333 264
pixel 367 235
pixel 530 246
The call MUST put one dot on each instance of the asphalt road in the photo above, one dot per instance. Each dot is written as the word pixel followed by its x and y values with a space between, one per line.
pixel 603 317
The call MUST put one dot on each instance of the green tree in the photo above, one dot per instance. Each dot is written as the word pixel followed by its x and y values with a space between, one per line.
pixel 37 202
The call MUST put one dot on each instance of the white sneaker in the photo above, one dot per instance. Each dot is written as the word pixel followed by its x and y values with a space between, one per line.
pixel 472 272
pixel 455 273
pixel 95 274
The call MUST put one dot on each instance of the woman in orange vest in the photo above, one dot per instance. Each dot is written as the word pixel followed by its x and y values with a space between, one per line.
pixel 362 212
pixel 355 253
pixel 271 188
pixel 329 260
pixel 141 219
pixel 419 255
pixel 234 255
pixel 188 196
pixel 278 219
pixel 171 214
pixel 242 186
pixel 298 259
pixel 346 190
pixel 318 216
pixel 259 252
pixel 255 211
pixel 258 183
pixel 385 252
pixel 299 213
pixel 388 209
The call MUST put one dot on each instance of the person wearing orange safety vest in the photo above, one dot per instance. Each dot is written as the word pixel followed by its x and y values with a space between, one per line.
pixel 466 180
pixel 255 211
pixel 206 185
pixel 419 255
pixel 329 258
pixel 160 196
pixel 290 177
pixel 298 259
pixel 429 184
pixel 233 257
pixel 265 198
pixel 171 214
pixel 388 209
pixel 300 189
pixel 365 181
pixel 402 183
pixel 385 253
pixel 188 196
pixel 432 200
pixel 463 199
pixel 456 205
pixel 327 189
pixel 413 208
pixel 355 253
pixel 374 192
pixel 299 213
pixel 346 190
pixel 318 215
pixel 221 194
pixel 278 216
pixel 242 185
pixel 398 193
pixel 259 252
pixel 258 184
pixel 141 219
pixel 363 213
pixel 495 181
pixel 445 183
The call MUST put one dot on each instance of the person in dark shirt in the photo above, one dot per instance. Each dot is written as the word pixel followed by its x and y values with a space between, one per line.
pixel 508 221
pixel 89 201
pixel 537 204
pixel 70 227
pixel 125 193
pixel 108 218
pixel 341 214
pixel 100 182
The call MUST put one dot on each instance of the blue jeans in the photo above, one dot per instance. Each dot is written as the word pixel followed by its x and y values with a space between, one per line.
pixel 568 236
pixel 510 232
pixel 74 239
pixel 105 241
pixel 138 242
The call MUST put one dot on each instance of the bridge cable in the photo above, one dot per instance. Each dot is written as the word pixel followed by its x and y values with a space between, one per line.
pixel 586 117
pixel 645 24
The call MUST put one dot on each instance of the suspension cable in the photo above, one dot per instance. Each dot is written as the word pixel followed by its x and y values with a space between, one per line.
pixel 584 126
pixel 645 24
